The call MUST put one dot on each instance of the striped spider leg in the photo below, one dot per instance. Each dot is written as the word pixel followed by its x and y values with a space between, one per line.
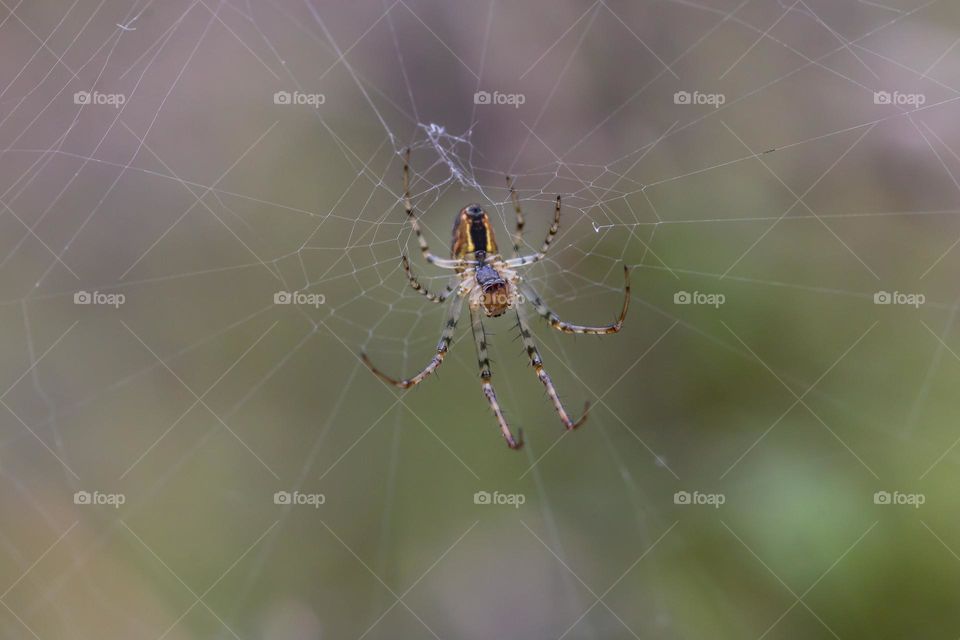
pixel 537 362
pixel 416 286
pixel 486 375
pixel 518 234
pixel 446 337
pixel 528 342
pixel 566 327
pixel 551 234
pixel 444 263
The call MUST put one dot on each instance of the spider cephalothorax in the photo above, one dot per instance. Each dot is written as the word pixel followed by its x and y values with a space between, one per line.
pixel 496 293
pixel 491 285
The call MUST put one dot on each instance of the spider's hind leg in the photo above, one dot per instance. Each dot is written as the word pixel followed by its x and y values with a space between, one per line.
pixel 415 224
pixel 518 234
pixel 416 286
pixel 551 234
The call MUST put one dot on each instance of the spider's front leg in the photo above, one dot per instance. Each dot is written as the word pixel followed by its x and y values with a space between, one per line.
pixel 445 339
pixel 537 362
pixel 485 376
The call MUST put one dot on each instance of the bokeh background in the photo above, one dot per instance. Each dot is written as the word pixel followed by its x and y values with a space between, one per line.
pixel 811 176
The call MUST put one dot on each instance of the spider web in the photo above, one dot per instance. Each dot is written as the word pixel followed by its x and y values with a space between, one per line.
pixel 794 193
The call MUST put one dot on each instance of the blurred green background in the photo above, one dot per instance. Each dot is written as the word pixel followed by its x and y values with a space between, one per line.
pixel 781 463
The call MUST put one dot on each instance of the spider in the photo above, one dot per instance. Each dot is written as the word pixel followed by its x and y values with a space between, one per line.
pixel 492 286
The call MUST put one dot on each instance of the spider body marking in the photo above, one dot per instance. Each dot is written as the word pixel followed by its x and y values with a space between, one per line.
pixel 491 286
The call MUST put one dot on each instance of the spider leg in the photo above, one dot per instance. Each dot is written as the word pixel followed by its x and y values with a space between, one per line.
pixel 518 234
pixel 544 377
pixel 408 207
pixel 446 337
pixel 415 284
pixel 551 234
pixel 485 376
pixel 567 327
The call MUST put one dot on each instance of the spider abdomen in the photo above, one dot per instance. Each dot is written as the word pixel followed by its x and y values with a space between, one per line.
pixel 472 232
